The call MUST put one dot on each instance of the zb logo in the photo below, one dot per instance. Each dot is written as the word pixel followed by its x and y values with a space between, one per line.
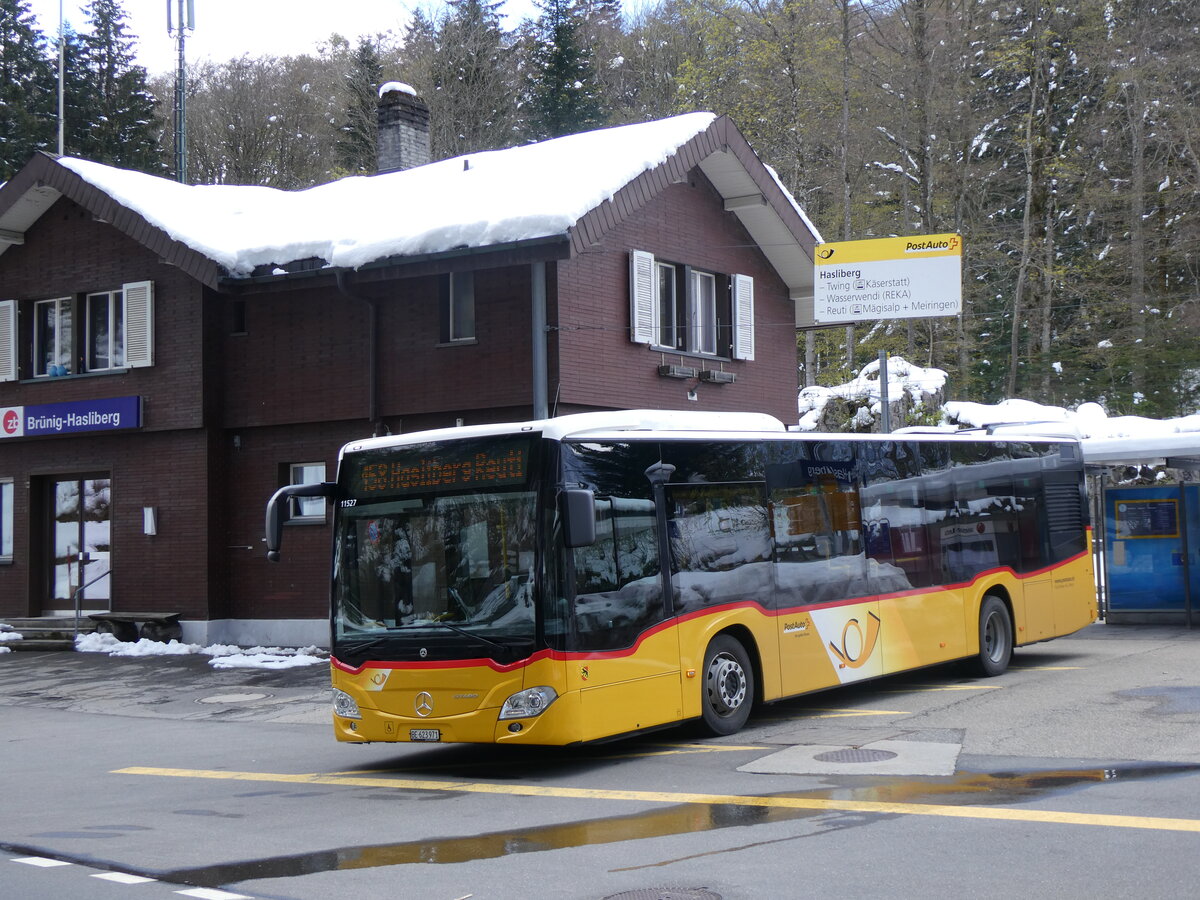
pixel 857 647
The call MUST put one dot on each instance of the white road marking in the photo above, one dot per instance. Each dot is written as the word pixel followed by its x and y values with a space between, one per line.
pixel 41 861
pixel 122 877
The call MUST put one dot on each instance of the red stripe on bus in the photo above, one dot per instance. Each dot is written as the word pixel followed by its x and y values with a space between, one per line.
pixel 570 655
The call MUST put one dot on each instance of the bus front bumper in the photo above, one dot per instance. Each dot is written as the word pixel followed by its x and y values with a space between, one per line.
pixel 558 724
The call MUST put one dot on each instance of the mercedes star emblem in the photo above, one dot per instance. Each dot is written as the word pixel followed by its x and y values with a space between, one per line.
pixel 423 703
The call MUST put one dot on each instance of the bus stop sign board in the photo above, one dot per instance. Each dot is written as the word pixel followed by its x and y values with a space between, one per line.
pixel 888 278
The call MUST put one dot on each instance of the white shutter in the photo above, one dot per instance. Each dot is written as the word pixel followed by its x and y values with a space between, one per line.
pixel 8 340
pixel 139 324
pixel 743 317
pixel 642 314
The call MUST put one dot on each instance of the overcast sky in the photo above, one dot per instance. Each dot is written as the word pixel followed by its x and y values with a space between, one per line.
pixel 226 29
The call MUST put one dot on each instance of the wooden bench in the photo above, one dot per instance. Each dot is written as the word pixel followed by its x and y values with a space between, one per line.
pixel 156 626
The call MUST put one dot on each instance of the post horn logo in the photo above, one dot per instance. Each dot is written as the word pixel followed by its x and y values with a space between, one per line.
pixel 825 252
pixel 423 704
pixel 866 643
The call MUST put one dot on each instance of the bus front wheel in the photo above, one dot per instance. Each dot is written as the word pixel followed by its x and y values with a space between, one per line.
pixel 995 637
pixel 728 686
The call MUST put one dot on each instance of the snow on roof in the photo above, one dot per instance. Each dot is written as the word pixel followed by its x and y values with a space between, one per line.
pixel 477 200
pixel 795 204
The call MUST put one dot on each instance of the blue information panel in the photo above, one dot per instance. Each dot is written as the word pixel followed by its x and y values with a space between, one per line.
pixel 1152 550
pixel 107 414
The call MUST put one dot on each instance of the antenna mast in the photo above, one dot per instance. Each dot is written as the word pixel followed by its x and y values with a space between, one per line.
pixel 62 55
pixel 184 21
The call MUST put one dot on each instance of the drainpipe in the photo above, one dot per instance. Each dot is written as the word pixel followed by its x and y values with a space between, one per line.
pixel 345 288
pixel 539 337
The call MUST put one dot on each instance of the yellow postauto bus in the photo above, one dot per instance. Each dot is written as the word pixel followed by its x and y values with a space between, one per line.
pixel 603 574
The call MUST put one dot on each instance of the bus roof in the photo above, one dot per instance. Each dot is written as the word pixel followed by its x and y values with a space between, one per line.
pixel 664 422
pixel 586 424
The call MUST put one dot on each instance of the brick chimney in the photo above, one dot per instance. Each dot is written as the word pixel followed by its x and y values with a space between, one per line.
pixel 403 137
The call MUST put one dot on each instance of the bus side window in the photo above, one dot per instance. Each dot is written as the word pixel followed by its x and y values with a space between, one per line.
pixel 817 522
pixel 982 534
pixel 720 545
pixel 893 519
pixel 1033 550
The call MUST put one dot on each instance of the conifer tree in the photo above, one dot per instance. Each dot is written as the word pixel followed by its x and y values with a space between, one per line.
pixel 27 89
pixel 356 145
pixel 120 125
pixel 562 85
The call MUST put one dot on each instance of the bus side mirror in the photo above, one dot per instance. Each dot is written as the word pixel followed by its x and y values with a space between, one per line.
pixel 279 510
pixel 577 511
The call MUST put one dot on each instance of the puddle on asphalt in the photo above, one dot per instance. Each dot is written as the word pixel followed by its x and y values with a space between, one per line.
pixel 1169 700
pixel 966 788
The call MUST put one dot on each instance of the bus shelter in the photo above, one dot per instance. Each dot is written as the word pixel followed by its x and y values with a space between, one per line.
pixel 1148 535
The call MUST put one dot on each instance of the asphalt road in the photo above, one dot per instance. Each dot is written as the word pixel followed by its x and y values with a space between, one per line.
pixel 1075 774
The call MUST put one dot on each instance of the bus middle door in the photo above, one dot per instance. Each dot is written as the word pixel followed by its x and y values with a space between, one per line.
pixel 629 669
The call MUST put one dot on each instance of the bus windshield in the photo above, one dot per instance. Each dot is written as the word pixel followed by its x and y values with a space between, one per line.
pixel 410 561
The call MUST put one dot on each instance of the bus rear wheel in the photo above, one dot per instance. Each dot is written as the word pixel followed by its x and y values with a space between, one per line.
pixel 995 637
pixel 728 686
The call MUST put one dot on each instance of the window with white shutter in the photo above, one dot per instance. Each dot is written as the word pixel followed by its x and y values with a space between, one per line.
pixel 642 315
pixel 743 317
pixel 678 307
pixel 8 340
pixel 139 323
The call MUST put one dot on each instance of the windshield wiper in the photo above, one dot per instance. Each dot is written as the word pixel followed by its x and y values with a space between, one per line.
pixel 367 645
pixel 470 634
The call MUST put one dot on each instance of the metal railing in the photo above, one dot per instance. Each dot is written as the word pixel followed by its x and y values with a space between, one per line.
pixel 78 592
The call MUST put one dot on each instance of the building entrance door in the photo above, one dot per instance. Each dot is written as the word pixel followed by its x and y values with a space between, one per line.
pixel 81 529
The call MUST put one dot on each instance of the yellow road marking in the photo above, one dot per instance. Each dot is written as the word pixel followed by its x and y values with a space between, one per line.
pixel 994 813
pixel 915 689
pixel 1045 668
pixel 823 713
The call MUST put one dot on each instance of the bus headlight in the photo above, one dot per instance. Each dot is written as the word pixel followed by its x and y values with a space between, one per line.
pixel 528 703
pixel 344 705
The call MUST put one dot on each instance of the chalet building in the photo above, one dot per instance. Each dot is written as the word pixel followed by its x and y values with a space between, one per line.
pixel 171 354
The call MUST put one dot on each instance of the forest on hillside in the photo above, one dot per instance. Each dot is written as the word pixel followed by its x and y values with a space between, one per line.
pixel 1062 141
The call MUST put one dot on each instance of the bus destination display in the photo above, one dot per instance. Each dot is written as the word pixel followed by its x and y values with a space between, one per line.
pixel 442 467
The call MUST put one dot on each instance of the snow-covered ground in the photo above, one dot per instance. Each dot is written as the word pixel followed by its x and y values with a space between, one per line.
pixel 7 634
pixel 223 656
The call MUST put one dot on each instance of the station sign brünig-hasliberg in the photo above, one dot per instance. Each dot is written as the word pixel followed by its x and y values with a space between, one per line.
pixel 888 278
pixel 109 414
